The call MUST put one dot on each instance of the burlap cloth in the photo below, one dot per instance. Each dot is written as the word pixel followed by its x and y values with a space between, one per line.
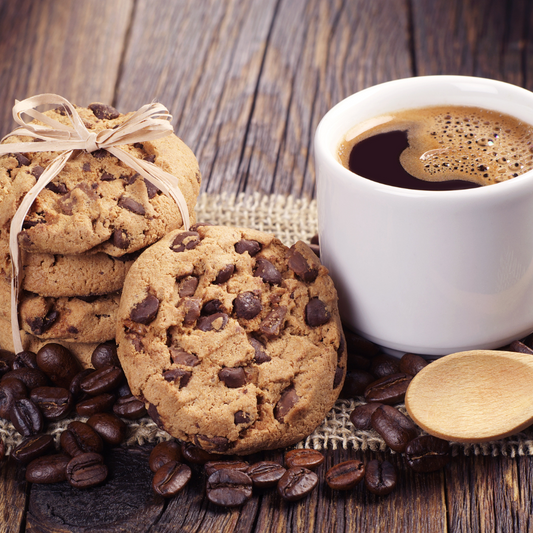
pixel 290 219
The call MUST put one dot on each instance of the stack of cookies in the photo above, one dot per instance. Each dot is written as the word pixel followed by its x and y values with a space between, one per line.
pixel 83 232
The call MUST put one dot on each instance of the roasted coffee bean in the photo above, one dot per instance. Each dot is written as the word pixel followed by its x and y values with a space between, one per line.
pixel 245 245
pixel 299 265
pixel 260 351
pixel 297 483
pixel 361 416
pixel 357 362
pixel 2 450
pixel 74 387
pixel 188 287
pixel 518 346
pixel 229 487
pixel 123 391
pixel 225 274
pixel 395 428
pixel 346 475
pixel 33 447
pixel 359 345
pixel 129 407
pixel 355 383
pixel 163 453
pixel 427 453
pixel 7 358
pixel 310 459
pixel 316 313
pixel 109 427
pixel 48 469
pixel 103 111
pixel 384 365
pixel 265 474
pixel 194 454
pixel 31 377
pixel 232 377
pixel 5 363
pixel 105 354
pixel 104 379
pixel 247 305
pixel 212 466
pixel 272 324
pixel 80 438
pixel 215 322
pixel 26 417
pixel 97 404
pixel 389 389
pixel 380 478
pixel 11 389
pixel 267 272
pixel 58 364
pixel 86 470
pixel 145 311
pixel 186 240
pixel 171 478
pixel 412 364
pixel 287 401
pixel 25 360
pixel 54 402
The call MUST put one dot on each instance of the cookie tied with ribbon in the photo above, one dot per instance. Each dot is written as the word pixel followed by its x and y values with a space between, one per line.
pixel 81 181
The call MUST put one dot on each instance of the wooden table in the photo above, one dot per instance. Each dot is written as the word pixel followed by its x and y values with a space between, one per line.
pixel 247 82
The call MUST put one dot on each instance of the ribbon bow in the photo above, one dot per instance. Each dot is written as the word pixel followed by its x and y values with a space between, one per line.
pixel 151 121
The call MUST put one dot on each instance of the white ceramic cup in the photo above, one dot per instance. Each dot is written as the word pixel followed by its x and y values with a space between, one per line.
pixel 429 272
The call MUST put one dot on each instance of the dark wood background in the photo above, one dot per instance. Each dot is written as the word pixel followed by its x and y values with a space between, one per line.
pixel 247 82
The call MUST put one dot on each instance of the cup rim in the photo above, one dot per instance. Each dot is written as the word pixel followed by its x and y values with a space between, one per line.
pixel 323 131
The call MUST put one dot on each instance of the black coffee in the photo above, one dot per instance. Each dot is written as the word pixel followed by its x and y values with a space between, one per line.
pixel 439 148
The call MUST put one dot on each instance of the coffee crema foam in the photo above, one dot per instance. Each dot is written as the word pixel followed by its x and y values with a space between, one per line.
pixel 454 143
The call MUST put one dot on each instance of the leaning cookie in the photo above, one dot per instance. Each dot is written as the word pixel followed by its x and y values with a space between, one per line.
pixel 96 202
pixel 232 339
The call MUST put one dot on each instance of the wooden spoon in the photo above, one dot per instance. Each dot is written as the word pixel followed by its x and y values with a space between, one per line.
pixel 474 396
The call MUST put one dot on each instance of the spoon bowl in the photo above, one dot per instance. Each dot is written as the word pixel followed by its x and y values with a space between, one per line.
pixel 473 396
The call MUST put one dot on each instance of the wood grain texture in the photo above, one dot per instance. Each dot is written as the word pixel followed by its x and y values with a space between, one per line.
pixel 13 497
pixel 70 48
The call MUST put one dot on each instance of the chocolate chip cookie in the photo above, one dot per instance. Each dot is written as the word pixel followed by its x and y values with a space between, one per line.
pixel 232 339
pixel 96 202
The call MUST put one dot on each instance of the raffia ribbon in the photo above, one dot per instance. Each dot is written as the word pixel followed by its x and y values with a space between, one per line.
pixel 151 121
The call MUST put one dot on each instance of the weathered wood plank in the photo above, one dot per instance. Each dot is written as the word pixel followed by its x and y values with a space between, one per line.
pixel 13 496
pixel 318 53
pixel 70 48
pixel 472 37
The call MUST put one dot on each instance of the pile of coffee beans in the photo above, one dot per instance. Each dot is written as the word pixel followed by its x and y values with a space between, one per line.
pixel 47 386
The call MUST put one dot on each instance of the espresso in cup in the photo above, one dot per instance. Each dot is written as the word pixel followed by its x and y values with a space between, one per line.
pixel 439 148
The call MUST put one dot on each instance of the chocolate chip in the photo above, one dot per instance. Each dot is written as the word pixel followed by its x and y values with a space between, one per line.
pixel 146 311
pixel 36 171
pixel 212 306
pixel 215 322
pixel 212 444
pixel 151 189
pixel 86 167
pixel 195 227
pixel 99 154
pixel 225 274
pixel 58 188
pixel 120 239
pixel 192 310
pixel 272 324
pixel 39 325
pixel 128 180
pixel 22 160
pixel 339 376
pixel 267 272
pixel 131 205
pixel 244 245
pixel 103 111
pixel 260 354
pixel 240 417
pixel 154 415
pixel 287 401
pixel 107 177
pixel 178 376
pixel 316 313
pixel 150 158
pixel 186 240
pixel 188 287
pixel 299 265
pixel 232 377
pixel 247 305
pixel 181 357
